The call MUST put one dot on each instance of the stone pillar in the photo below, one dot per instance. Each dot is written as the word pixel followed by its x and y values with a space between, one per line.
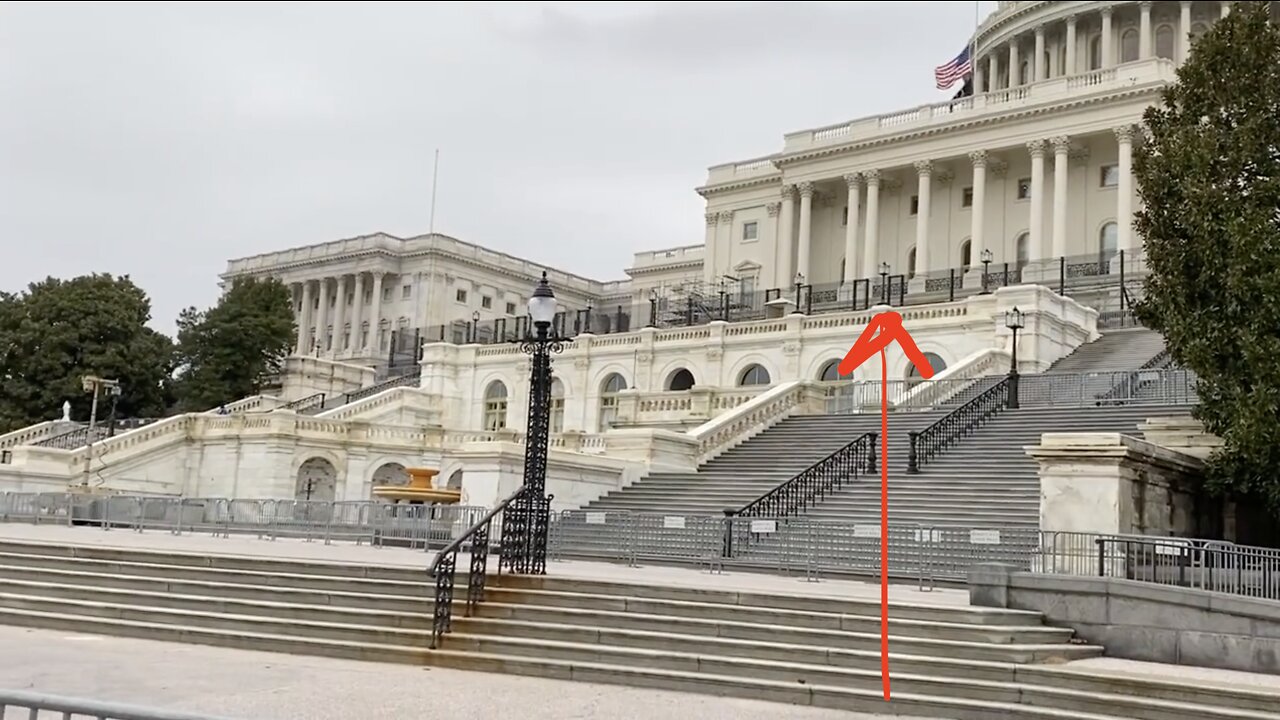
pixel 1184 30
pixel 871 235
pixel 339 315
pixel 806 225
pixel 1013 62
pixel 1144 30
pixel 786 224
pixel 357 316
pixel 993 71
pixel 1070 69
pixel 1036 229
pixel 1039 68
pixel 304 320
pixel 709 253
pixel 978 78
pixel 375 313
pixel 322 320
pixel 724 250
pixel 977 233
pixel 854 181
pixel 924 182
pixel 1124 189
pixel 1106 38
pixel 1061 148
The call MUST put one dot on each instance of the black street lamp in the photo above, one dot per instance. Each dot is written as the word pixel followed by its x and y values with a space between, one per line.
pixel 986 265
pixel 525 522
pixel 799 285
pixel 884 282
pixel 1014 321
pixel 475 326
pixel 653 307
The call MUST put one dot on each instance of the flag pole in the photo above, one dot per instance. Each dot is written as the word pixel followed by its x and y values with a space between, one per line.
pixel 435 174
pixel 973 47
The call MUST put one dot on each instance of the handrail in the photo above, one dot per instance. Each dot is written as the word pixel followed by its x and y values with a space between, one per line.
pixel 1212 565
pixel 376 388
pixel 927 443
pixel 304 404
pixel 1125 388
pixel 68 706
pixel 825 475
pixel 443 565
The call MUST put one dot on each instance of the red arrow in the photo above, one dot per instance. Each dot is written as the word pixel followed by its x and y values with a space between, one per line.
pixel 889 326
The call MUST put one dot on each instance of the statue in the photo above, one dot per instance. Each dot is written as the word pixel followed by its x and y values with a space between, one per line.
pixel 66 411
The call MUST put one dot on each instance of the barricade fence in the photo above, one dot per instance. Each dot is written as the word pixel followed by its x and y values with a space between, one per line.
pixel 42 706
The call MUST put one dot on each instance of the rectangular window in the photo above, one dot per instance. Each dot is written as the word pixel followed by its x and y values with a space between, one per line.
pixel 915 204
pixel 386 294
pixel 749 231
pixel 460 295
pixel 486 302
pixel 1110 176
pixel 966 198
pixel 1024 189
pixel 511 308
pixel 406 291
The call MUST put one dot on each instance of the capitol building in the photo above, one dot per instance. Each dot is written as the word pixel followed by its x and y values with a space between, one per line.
pixel 1019 191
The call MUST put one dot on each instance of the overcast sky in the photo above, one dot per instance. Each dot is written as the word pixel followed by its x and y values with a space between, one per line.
pixel 161 140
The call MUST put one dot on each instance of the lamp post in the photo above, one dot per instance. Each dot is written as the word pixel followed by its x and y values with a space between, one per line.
pixel 586 319
pixel 525 521
pixel 94 384
pixel 884 282
pixel 475 326
pixel 1014 321
pixel 986 268
pixel 799 285
pixel 653 307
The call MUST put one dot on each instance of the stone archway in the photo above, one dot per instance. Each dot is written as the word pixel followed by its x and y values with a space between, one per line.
pixel 389 474
pixel 455 480
pixel 317 481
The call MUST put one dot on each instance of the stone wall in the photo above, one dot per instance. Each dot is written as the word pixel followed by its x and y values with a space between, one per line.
pixel 305 376
pixel 1143 621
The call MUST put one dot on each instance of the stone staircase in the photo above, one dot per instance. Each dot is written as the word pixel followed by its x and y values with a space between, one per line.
pixel 947 661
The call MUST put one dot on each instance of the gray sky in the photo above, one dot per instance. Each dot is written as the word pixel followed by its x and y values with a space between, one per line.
pixel 162 140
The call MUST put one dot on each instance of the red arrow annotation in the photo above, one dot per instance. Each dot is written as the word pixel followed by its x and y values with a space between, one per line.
pixel 884 329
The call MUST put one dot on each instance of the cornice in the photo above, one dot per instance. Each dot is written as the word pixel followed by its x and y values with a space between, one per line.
pixel 963 125
pixel 651 269
pixel 708 190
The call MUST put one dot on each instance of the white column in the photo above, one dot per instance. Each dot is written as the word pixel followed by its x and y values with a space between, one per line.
pixel 871 236
pixel 709 250
pixel 1061 147
pixel 977 233
pixel 1124 189
pixel 978 72
pixel 322 320
pixel 786 273
pixel 724 250
pixel 1070 69
pixel 1013 62
pixel 1184 30
pixel 1036 240
pixel 1106 37
pixel 1039 68
pixel 806 225
pixel 339 315
pixel 304 320
pixel 357 315
pixel 375 313
pixel 924 183
pixel 993 71
pixel 1144 30
pixel 854 181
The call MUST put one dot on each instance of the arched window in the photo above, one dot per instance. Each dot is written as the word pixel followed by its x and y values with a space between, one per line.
pixel 1095 52
pixel 1022 249
pixel 557 406
pixel 364 334
pixel 609 390
pixel 753 375
pixel 1164 42
pixel 965 253
pixel 495 406
pixel 1129 46
pixel 1107 241
pixel 911 263
pixel 831 373
pixel 935 362
pixel 681 379
pixel 1198 29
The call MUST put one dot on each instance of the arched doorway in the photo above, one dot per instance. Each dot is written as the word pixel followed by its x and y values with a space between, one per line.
pixel 753 375
pixel 681 379
pixel 609 390
pixel 317 481
pixel 935 362
pixel 495 406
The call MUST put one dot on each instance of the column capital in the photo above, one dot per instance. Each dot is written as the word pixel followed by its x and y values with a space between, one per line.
pixel 774 208
pixel 788 191
pixel 1061 144
pixel 978 158
pixel 1106 11
pixel 726 217
pixel 1072 18
pixel 853 180
pixel 1039 32
pixel 805 188
pixel 711 217
pixel 872 177
pixel 1124 134
pixel 924 168
pixel 1146 5
pixel 1036 148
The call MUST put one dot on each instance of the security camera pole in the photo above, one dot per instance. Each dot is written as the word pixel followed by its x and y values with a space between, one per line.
pixel 94 384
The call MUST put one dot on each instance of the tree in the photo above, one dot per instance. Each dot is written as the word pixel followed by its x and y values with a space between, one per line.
pixel 61 330
pixel 1209 179
pixel 227 352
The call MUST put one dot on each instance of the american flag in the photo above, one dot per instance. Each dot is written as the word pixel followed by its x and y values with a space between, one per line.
pixel 947 75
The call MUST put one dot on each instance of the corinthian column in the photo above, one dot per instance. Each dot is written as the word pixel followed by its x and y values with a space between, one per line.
pixel 806 225
pixel 977 233
pixel 1124 189
pixel 924 183
pixel 786 221
pixel 1061 148
pixel 1036 239
pixel 854 181
pixel 871 238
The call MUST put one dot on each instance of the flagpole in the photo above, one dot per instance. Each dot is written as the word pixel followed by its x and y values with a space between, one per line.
pixel 435 174
pixel 973 46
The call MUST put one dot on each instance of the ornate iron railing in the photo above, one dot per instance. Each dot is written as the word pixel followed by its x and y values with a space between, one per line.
pixel 79 437
pixel 928 443
pixel 815 482
pixel 443 566
pixel 302 405
pixel 1128 387
pixel 409 378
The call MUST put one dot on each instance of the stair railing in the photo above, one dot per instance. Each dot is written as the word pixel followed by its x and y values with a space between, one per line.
pixel 1129 386
pixel 445 562
pixel 301 405
pixel 809 486
pixel 930 442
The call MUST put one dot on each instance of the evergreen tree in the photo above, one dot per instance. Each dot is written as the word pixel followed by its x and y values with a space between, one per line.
pixel 229 351
pixel 1209 178
pixel 61 330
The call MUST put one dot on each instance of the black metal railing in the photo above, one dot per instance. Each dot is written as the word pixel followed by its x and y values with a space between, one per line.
pixel 79 437
pixel 1127 388
pixel 930 442
pixel 445 563
pixel 302 405
pixel 409 378
pixel 1212 565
